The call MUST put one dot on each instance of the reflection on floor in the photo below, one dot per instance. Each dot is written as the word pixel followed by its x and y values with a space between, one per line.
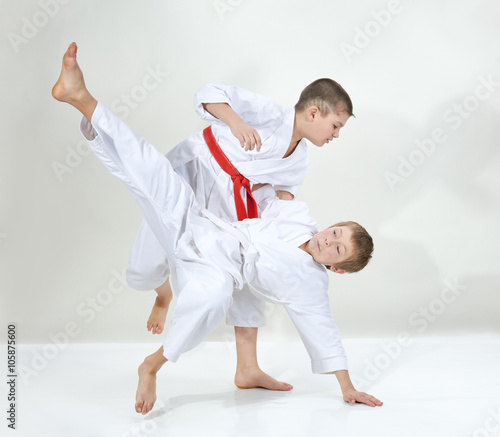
pixel 430 387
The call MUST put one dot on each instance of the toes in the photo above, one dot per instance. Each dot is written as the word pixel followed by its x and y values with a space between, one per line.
pixel 139 406
pixel 147 408
pixel 70 56
pixel 72 50
pixel 157 329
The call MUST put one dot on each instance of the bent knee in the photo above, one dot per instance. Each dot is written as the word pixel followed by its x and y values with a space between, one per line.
pixel 145 280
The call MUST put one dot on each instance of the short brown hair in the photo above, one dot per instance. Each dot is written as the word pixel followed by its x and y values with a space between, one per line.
pixel 363 248
pixel 327 95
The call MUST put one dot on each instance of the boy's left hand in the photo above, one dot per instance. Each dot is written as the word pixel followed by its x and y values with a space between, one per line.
pixel 352 396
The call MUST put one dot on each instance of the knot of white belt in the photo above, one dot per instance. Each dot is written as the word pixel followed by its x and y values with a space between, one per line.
pixel 249 254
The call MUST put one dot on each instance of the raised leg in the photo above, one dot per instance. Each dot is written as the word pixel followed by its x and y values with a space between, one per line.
pixel 164 197
pixel 169 206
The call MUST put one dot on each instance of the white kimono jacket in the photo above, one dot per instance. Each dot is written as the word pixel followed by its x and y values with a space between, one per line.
pixel 209 257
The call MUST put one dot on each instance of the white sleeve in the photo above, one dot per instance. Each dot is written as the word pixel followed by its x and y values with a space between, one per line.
pixel 309 311
pixel 289 211
pixel 265 197
pixel 249 106
pixel 270 206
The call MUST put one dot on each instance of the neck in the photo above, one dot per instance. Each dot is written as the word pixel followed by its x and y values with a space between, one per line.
pixel 297 132
pixel 305 247
pixel 296 137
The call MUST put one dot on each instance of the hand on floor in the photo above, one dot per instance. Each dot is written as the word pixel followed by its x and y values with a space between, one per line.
pixel 352 396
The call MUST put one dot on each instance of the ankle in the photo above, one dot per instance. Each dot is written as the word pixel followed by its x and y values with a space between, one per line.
pixel 163 301
pixel 247 367
pixel 153 363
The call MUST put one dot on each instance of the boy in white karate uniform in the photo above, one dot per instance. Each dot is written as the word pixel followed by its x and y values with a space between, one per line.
pixel 280 158
pixel 208 257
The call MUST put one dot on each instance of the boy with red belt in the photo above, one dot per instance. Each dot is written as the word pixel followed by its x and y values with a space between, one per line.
pixel 280 256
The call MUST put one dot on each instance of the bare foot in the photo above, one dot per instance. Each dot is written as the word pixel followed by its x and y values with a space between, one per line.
pixel 256 378
pixel 156 321
pixel 70 83
pixel 145 397
pixel 70 87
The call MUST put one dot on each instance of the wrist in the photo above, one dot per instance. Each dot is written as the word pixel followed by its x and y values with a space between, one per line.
pixel 344 381
pixel 347 389
pixel 234 121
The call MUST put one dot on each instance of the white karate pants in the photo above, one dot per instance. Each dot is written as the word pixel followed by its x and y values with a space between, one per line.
pixel 204 290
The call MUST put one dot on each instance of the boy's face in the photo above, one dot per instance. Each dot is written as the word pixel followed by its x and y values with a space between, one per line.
pixel 322 130
pixel 332 246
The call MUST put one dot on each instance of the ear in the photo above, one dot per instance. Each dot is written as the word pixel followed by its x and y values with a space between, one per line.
pixel 312 112
pixel 336 270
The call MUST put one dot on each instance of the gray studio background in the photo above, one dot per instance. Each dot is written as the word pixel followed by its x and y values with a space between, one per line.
pixel 419 166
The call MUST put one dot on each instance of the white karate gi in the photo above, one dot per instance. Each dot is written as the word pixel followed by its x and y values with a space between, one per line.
pixel 209 257
pixel 213 187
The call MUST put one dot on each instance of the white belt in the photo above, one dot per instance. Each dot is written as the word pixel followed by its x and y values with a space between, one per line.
pixel 249 253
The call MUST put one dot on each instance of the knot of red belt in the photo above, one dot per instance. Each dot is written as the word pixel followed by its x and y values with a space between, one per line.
pixel 239 181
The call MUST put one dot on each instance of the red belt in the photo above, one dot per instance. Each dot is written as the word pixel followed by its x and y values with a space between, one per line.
pixel 238 179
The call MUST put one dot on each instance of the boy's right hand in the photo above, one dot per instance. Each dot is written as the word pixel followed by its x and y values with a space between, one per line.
pixel 247 136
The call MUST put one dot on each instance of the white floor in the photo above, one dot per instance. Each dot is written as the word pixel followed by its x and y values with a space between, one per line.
pixel 433 387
